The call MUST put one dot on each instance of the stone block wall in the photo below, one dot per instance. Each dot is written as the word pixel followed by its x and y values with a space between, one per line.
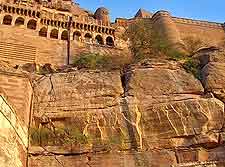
pixel 18 91
pixel 20 45
pixel 209 32
pixel 177 29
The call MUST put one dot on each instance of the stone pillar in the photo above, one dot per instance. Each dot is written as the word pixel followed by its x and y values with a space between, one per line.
pixel 164 25
pixel 48 31
pixel 13 20
pixel 60 33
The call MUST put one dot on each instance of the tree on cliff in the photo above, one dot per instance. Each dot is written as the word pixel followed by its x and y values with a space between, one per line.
pixel 193 44
pixel 145 42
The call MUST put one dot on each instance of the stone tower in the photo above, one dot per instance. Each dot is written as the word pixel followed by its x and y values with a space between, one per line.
pixel 103 15
pixel 164 24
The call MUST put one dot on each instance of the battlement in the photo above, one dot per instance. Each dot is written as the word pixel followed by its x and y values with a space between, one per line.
pixel 198 22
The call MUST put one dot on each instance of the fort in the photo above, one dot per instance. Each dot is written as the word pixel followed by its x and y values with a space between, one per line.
pixel 51 31
pixel 152 113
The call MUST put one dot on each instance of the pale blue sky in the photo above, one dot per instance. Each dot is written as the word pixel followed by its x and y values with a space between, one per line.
pixel 211 10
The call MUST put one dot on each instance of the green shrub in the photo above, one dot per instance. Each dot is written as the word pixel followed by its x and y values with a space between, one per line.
pixel 40 136
pixel 59 136
pixel 175 55
pixel 145 42
pixel 192 66
pixel 92 61
pixel 101 61
pixel 34 136
pixel 75 136
pixel 192 44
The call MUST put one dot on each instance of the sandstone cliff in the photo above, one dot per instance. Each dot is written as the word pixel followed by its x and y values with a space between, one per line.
pixel 155 114
pixel 151 114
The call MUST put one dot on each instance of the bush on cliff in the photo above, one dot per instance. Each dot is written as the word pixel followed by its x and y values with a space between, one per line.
pixel 91 61
pixel 192 66
pixel 100 61
pixel 147 43
pixel 193 44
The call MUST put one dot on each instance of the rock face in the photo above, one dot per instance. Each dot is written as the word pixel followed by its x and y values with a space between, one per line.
pixel 152 115
pixel 13 136
pixel 174 113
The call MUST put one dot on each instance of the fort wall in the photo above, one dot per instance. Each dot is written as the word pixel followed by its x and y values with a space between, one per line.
pixel 36 34
pixel 21 45
pixel 176 30
pixel 28 35
pixel 209 32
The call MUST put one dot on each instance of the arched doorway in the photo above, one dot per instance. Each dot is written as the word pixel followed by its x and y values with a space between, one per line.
pixel 99 40
pixel 88 38
pixel 64 35
pixel 43 32
pixel 19 21
pixel 7 20
pixel 109 41
pixel 54 34
pixel 76 35
pixel 32 24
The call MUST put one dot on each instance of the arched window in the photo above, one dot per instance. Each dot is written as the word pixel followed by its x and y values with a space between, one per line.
pixel 64 35
pixel 17 10
pixel 32 24
pixel 99 40
pixel 88 38
pixel 54 34
pixel 25 12
pixel 76 35
pixel 7 20
pixel 43 32
pixel 29 13
pixel 85 27
pixel 109 41
pixel 19 21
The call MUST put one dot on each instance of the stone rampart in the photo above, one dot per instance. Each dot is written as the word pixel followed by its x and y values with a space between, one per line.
pixel 210 32
pixel 18 92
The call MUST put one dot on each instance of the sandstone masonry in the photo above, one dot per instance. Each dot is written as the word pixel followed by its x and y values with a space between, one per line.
pixel 51 31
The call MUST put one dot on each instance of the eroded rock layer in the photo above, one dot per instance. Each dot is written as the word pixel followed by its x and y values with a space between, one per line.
pixel 156 114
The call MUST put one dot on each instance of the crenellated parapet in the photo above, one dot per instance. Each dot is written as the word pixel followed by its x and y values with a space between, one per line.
pixel 197 22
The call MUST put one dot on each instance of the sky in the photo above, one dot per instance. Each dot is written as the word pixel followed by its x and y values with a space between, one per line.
pixel 210 10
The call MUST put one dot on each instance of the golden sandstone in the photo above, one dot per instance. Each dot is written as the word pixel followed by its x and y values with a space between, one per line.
pixel 151 114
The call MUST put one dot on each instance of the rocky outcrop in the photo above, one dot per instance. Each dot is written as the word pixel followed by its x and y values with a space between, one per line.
pixel 150 115
pixel 213 72
pixel 174 111
pixel 153 114
pixel 13 136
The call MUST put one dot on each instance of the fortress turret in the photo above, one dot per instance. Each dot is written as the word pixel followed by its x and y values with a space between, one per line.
pixel 164 24
pixel 102 14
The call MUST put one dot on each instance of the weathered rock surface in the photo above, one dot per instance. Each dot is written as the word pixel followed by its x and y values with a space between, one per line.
pixel 130 159
pixel 91 118
pixel 13 136
pixel 174 112
pixel 154 114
